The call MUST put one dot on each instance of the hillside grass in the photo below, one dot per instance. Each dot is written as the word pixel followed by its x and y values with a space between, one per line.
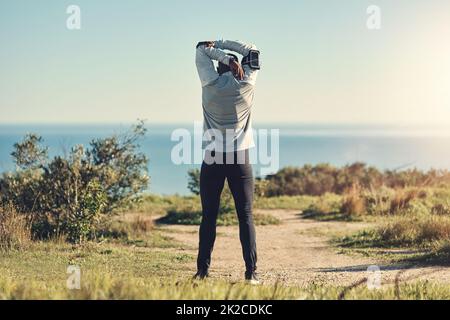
pixel 114 271
pixel 426 236
pixel 228 219
pixel 131 258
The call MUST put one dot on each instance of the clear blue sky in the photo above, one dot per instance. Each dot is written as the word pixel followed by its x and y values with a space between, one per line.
pixel 135 59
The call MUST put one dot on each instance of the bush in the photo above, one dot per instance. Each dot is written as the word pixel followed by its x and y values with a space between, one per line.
pixel 80 225
pixel 354 202
pixel 15 232
pixel 124 229
pixel 403 199
pixel 325 178
pixel 378 202
pixel 226 199
pixel 194 181
pixel 422 231
pixel 66 194
pixel 384 201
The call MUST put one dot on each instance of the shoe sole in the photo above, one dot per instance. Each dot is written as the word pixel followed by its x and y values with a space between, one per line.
pixel 253 282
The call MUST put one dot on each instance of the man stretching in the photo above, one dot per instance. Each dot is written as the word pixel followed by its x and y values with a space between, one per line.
pixel 227 96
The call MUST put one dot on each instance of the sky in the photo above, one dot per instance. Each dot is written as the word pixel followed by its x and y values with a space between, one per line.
pixel 135 59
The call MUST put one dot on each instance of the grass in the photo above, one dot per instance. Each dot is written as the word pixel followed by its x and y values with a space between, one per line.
pixel 229 219
pixel 159 205
pixel 100 285
pixel 151 204
pixel 118 271
pixel 129 258
pixel 427 237
pixel 403 232
pixel 300 203
pixel 134 229
pixel 15 231
pixel 47 262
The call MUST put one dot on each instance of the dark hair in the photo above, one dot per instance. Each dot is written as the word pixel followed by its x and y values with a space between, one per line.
pixel 222 68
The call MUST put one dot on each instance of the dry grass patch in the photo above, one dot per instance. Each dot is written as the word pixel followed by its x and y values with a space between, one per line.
pixel 15 230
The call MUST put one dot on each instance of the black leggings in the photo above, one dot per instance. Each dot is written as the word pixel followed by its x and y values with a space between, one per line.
pixel 240 180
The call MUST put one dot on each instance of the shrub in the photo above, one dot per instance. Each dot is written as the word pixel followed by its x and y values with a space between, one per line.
pixel 415 231
pixel 354 202
pixel 226 199
pixel 441 209
pixel 403 199
pixel 15 232
pixel 124 229
pixel 325 178
pixel 66 194
pixel 378 202
pixel 141 225
pixel 261 188
pixel 80 224
pixel 194 181
pixel 427 232
pixel 327 203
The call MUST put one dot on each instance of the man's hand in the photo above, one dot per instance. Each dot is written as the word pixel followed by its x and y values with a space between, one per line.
pixel 236 69
pixel 208 44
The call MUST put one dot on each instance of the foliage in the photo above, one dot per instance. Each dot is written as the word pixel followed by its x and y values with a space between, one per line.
pixel 191 216
pixel 226 200
pixel 325 178
pixel 66 194
pixel 194 181
pixel 29 153
pixel 15 233
pixel 81 224
pixel 403 231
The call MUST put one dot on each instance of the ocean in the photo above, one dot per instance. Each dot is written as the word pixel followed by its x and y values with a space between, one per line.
pixel 386 147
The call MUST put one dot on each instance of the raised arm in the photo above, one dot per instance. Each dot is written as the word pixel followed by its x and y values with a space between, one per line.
pixel 243 49
pixel 205 54
pixel 236 46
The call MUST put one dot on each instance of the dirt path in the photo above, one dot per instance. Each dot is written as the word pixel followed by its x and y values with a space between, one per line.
pixel 296 252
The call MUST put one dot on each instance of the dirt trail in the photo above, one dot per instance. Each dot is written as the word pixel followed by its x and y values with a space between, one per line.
pixel 296 252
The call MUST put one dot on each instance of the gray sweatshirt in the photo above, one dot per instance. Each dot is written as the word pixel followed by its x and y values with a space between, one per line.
pixel 227 102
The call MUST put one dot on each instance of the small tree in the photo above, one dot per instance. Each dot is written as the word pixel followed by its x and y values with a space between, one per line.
pixel 29 153
pixel 226 199
pixel 80 224
pixel 194 181
pixel 66 194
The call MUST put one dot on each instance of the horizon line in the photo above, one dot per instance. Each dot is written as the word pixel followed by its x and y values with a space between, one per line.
pixel 255 124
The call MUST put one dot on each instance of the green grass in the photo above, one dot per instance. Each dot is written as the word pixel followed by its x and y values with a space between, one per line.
pixel 104 285
pixel 133 259
pixel 112 271
pixel 229 219
pixel 47 260
pixel 155 204
pixel 135 229
pixel 285 202
pixel 159 205
pixel 427 238
pixel 115 271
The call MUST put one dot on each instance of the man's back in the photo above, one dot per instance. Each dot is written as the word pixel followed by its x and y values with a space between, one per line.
pixel 227 101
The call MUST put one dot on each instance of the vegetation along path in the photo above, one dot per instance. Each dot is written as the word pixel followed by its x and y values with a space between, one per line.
pixel 299 252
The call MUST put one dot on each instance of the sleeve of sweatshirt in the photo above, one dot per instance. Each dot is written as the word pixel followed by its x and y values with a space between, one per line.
pixel 236 46
pixel 243 49
pixel 204 61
